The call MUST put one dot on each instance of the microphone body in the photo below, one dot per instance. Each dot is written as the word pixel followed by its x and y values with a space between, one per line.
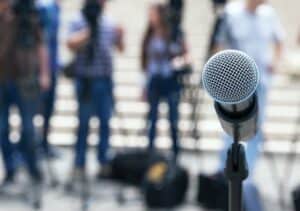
pixel 239 120
pixel 231 78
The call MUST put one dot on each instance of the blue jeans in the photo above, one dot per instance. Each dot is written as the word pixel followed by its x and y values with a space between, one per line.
pixel 95 96
pixel 160 89
pixel 48 100
pixel 251 197
pixel 10 94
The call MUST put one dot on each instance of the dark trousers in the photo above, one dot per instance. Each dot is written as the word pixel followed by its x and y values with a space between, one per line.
pixel 163 89
pixel 10 95
pixel 48 99
pixel 94 97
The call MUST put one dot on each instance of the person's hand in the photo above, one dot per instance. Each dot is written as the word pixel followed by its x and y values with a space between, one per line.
pixel 119 31
pixel 79 39
pixel 144 95
pixel 120 39
pixel 44 81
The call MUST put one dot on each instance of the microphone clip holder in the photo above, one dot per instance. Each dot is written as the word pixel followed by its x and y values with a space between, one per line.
pixel 236 171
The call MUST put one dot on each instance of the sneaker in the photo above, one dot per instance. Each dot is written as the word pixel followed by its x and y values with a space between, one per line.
pixel 36 175
pixel 8 183
pixel 105 172
pixel 9 179
pixel 50 152
pixel 77 176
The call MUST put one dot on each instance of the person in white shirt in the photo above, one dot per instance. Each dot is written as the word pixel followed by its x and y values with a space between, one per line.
pixel 253 27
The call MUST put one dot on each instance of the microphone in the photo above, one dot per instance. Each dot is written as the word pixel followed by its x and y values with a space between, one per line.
pixel 231 78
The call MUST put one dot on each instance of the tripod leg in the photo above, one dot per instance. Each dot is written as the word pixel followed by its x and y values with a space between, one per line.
pixel 37 194
pixel 121 199
pixel 85 194
pixel 52 176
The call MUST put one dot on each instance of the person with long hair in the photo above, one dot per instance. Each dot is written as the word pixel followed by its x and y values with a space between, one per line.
pixel 156 60
pixel 21 80
pixel 93 37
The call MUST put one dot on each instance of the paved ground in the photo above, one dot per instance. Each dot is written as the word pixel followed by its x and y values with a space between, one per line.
pixel 104 194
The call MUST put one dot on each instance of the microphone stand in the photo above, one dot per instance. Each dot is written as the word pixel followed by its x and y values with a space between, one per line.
pixel 236 172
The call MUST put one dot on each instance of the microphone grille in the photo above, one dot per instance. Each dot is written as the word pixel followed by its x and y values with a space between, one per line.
pixel 230 77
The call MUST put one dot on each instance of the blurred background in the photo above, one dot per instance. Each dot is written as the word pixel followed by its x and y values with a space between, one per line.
pixel 275 175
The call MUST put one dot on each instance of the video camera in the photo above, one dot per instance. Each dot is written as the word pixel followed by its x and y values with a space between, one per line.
pixel 24 10
pixel 175 18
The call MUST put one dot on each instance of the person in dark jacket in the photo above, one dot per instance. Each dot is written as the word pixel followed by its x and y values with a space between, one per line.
pixel 21 80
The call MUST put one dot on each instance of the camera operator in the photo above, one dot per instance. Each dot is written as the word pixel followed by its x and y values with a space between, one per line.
pixel 23 72
pixel 157 60
pixel 93 37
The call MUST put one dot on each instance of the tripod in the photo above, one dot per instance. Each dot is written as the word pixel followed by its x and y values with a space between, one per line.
pixel 282 181
pixel 236 171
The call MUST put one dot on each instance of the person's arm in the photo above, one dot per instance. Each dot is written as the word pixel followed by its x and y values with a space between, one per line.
pixel 44 74
pixel 278 43
pixel 186 52
pixel 120 39
pixel 277 53
pixel 182 60
pixel 186 57
pixel 78 40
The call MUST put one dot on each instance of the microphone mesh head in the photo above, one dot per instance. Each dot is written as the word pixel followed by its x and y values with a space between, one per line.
pixel 230 77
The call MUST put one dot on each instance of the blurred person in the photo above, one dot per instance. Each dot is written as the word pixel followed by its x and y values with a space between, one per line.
pixel 93 37
pixel 21 79
pixel 253 27
pixel 50 14
pixel 157 56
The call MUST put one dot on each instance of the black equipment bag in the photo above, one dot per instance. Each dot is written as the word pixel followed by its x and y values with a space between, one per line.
pixel 213 192
pixel 296 198
pixel 165 185
pixel 131 167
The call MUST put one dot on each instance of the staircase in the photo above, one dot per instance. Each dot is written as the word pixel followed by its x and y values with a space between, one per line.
pixel 129 123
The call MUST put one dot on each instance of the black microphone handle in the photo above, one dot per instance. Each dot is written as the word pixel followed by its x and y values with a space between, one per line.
pixel 244 122
pixel 239 108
